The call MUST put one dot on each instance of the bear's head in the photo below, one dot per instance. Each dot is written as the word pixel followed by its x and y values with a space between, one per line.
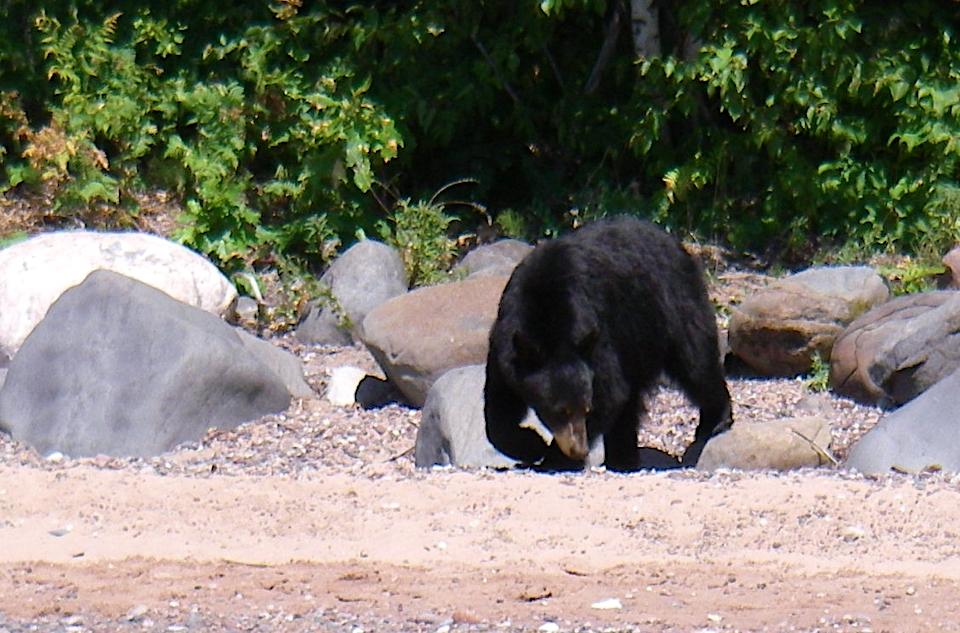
pixel 557 382
pixel 543 342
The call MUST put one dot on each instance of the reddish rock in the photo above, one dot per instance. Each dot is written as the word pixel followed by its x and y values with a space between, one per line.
pixel 777 331
pixel 899 349
pixel 418 336
pixel 951 277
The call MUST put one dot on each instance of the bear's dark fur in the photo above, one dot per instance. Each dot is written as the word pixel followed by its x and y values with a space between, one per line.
pixel 587 324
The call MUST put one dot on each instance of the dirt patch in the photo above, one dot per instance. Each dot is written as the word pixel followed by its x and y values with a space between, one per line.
pixel 479 550
pixel 316 519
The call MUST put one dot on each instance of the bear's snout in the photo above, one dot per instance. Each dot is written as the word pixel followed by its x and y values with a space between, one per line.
pixel 571 438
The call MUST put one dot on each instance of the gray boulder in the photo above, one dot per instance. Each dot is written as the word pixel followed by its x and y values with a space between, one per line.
pixel 498 258
pixel 364 276
pixel 898 349
pixel 777 331
pixel 784 444
pixel 120 368
pixel 285 365
pixel 418 336
pixel 35 272
pixel 923 434
pixel 453 431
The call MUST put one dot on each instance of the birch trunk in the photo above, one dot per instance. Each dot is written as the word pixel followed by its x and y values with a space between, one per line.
pixel 645 25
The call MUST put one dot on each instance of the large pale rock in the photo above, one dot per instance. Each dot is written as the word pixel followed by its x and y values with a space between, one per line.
pixel 364 276
pixel 35 272
pixel 777 331
pixel 120 368
pixel 418 336
pixel 498 258
pixel 783 444
pixel 922 434
pixel 453 430
pixel 898 349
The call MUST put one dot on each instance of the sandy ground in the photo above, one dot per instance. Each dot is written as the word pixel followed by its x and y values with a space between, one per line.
pixel 91 549
pixel 317 520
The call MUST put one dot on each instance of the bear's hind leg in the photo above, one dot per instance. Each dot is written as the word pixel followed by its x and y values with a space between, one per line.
pixel 703 383
pixel 715 418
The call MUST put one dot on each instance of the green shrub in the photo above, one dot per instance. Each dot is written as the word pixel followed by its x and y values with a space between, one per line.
pixel 419 231
pixel 269 147
pixel 908 275
pixel 513 224
pixel 833 120
pixel 818 379
pixel 777 126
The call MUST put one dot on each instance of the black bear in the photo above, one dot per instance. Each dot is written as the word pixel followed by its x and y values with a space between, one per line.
pixel 587 323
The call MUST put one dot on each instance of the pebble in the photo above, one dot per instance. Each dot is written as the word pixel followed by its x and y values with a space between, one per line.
pixel 609 603
pixel 136 612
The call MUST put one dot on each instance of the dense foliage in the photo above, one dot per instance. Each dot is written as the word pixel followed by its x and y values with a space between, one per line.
pixel 833 119
pixel 285 128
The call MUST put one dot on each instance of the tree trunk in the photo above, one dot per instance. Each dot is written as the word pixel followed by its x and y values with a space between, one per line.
pixel 611 33
pixel 645 25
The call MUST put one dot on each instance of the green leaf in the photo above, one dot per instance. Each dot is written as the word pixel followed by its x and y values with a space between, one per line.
pixel 899 89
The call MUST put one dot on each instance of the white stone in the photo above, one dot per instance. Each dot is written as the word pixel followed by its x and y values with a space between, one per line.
pixel 610 603
pixel 342 385
pixel 35 272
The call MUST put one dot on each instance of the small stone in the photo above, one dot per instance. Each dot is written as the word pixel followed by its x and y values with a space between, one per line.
pixel 58 532
pixel 342 385
pixel 608 604
pixel 853 533
pixel 549 627
pixel 136 613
